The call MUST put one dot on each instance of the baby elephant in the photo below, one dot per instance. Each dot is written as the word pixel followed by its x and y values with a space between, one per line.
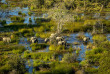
pixel 7 39
pixel 33 39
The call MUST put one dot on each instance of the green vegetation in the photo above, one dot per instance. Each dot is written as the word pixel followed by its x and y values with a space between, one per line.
pixel 17 19
pixel 36 46
pixel 61 17
pixel 26 32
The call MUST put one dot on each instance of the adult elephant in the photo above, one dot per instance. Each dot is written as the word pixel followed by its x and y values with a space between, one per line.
pixel 62 43
pixel 86 39
pixel 7 39
pixel 46 40
pixel 34 39
pixel 59 38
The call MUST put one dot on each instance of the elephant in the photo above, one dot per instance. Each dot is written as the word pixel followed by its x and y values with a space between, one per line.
pixel 86 39
pixel 59 38
pixel 34 39
pixel 7 39
pixel 46 40
pixel 62 43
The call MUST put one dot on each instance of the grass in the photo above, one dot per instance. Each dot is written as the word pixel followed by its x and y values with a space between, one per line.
pixel 75 27
pixel 26 32
pixel 17 19
pixel 36 46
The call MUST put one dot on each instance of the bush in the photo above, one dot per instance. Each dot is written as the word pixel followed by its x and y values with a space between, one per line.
pixel 69 58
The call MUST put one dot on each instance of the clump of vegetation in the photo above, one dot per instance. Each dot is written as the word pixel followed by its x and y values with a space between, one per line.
pixel 40 20
pixel 29 13
pixel 69 58
pixel 3 22
pixel 30 20
pixel 104 63
pixel 39 29
pixel 14 64
pixel 99 38
pixel 4 6
pixel 17 19
pixel 44 56
pixel 36 46
pixel 44 35
pixel 94 55
pixel 19 13
pixel 26 32
pixel 56 48
pixel 75 27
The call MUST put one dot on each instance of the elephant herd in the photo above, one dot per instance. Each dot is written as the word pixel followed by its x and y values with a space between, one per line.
pixel 53 39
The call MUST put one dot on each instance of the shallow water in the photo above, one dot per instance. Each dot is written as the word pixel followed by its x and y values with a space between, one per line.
pixel 23 41
pixel 108 37
pixel 73 39
pixel 7 13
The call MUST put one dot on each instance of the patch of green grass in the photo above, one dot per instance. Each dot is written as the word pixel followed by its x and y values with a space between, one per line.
pixel 36 46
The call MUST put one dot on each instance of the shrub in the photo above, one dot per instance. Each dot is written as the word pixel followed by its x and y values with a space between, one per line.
pixel 69 58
